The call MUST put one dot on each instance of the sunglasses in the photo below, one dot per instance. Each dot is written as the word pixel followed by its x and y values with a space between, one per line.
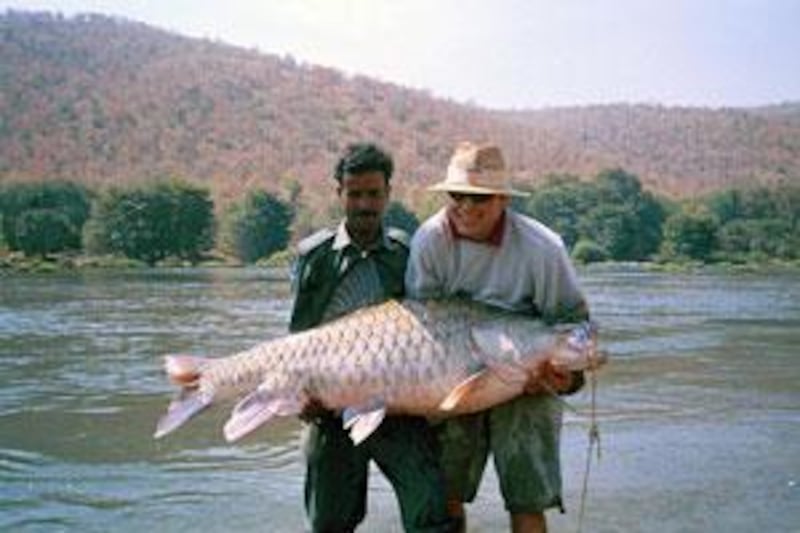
pixel 460 197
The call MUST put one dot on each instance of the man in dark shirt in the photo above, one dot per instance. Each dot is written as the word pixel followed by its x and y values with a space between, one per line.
pixel 362 263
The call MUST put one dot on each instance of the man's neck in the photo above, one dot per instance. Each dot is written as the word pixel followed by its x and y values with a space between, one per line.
pixel 364 239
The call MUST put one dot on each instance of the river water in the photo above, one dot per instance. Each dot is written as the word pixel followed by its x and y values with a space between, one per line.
pixel 699 409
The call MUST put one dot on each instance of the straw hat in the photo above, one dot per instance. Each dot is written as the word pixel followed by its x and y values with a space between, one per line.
pixel 477 169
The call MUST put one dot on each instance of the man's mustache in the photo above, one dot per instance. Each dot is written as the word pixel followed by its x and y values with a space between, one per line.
pixel 364 213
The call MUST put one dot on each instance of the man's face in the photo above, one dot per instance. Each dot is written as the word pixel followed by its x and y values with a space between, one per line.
pixel 475 215
pixel 364 197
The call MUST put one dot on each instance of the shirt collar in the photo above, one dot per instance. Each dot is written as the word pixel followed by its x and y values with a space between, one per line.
pixel 495 237
pixel 343 240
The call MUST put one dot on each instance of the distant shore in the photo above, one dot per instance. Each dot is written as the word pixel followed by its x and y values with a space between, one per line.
pixel 17 262
pixel 14 262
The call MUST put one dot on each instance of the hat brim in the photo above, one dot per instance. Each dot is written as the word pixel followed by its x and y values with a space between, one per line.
pixel 474 189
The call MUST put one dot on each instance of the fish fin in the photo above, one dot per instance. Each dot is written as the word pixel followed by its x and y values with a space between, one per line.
pixel 184 406
pixel 461 391
pixel 362 421
pixel 258 408
pixel 504 374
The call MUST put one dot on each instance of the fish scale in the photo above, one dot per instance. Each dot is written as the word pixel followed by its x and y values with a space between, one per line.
pixel 397 357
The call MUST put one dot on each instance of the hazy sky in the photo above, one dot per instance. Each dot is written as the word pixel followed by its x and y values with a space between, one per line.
pixel 512 53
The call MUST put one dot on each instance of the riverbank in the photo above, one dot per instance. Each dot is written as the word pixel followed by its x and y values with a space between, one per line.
pixel 17 262
pixel 65 262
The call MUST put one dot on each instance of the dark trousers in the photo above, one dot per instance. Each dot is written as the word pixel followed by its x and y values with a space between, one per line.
pixel 404 449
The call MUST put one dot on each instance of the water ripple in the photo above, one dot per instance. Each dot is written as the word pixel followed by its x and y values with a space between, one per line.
pixel 703 376
pixel 20 461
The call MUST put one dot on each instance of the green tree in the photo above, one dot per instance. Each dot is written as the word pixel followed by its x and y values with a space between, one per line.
pixel 758 222
pixel 727 205
pixel 616 185
pixel 560 204
pixel 758 238
pixel 155 221
pixel 586 251
pixel 71 200
pixel 613 213
pixel 787 204
pixel 257 226
pixel 689 234
pixel 613 228
pixel 631 219
pixel 43 231
pixel 192 221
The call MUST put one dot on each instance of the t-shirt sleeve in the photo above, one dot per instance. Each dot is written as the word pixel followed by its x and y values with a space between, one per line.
pixel 562 298
pixel 421 277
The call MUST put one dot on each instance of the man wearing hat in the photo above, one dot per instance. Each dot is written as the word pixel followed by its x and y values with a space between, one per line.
pixel 477 245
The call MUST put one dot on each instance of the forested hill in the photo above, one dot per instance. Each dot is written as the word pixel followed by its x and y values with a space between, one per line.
pixel 683 150
pixel 105 100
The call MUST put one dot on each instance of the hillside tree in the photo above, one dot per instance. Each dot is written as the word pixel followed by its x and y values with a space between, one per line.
pixel 27 207
pixel 156 221
pixel 257 226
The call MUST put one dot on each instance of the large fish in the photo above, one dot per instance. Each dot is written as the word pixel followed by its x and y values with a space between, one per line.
pixel 436 358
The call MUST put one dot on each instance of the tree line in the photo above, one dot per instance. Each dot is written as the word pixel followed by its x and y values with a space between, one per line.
pixel 609 218
pixel 613 218
pixel 149 223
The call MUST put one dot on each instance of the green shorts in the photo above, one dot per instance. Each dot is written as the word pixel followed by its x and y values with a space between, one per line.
pixel 523 437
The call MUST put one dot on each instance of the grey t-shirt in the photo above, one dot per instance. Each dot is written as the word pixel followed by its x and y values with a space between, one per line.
pixel 529 271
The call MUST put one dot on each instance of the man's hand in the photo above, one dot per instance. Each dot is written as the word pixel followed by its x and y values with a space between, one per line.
pixel 548 379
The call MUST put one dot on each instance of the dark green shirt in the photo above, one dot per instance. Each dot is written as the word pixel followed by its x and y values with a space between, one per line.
pixel 331 266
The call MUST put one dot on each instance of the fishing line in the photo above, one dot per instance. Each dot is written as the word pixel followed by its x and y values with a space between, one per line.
pixel 594 440
pixel 594 434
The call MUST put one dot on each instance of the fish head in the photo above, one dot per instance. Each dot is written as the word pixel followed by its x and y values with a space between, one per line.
pixel 576 349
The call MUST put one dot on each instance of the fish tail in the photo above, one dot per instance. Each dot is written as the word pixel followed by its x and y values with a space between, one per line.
pixel 186 404
pixel 184 370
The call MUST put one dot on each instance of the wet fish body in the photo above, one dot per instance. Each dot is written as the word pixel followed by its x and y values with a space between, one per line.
pixel 436 358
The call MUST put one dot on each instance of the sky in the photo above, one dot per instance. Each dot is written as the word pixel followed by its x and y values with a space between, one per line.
pixel 511 54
